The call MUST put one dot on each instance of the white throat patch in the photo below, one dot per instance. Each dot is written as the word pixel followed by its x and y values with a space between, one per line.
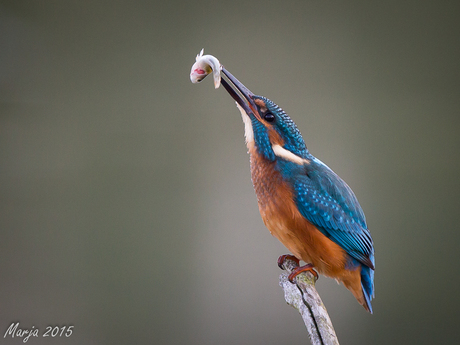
pixel 248 132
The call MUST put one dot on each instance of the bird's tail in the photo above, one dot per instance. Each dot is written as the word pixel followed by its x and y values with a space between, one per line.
pixel 367 283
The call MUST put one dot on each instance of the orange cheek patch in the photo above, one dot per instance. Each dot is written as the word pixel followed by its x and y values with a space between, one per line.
pixel 263 109
pixel 261 105
pixel 274 137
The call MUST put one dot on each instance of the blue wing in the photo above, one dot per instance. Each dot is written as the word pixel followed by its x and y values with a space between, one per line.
pixel 327 202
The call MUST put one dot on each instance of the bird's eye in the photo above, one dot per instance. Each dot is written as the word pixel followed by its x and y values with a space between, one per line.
pixel 269 117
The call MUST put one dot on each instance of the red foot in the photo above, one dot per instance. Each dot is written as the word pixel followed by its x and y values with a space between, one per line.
pixel 283 258
pixel 296 271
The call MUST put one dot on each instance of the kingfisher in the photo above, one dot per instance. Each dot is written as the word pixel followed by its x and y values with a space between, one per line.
pixel 303 203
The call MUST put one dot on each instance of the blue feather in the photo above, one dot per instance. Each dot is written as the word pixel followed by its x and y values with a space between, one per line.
pixel 327 202
pixel 261 139
pixel 367 282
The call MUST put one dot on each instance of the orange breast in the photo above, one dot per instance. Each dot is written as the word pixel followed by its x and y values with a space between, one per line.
pixel 281 216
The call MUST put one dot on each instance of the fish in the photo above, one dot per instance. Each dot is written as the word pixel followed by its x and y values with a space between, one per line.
pixel 205 65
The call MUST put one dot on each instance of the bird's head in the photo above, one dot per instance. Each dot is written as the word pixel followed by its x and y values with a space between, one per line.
pixel 268 129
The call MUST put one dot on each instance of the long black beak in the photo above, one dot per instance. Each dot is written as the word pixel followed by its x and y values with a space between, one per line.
pixel 244 97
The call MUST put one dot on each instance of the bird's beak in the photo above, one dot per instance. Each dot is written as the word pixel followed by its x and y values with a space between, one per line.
pixel 240 93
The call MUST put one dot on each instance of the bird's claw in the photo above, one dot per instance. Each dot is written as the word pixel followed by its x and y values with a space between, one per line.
pixel 296 271
pixel 283 258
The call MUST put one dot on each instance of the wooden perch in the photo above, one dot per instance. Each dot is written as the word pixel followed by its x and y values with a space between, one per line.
pixel 304 297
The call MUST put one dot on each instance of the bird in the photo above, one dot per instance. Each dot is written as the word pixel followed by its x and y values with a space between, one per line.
pixel 302 202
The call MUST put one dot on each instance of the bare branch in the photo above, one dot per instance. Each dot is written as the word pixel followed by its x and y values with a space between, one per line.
pixel 306 300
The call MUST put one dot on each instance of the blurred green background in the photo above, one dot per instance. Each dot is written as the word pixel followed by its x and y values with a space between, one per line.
pixel 126 203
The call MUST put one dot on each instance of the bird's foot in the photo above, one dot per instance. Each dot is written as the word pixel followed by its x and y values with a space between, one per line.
pixel 296 271
pixel 283 258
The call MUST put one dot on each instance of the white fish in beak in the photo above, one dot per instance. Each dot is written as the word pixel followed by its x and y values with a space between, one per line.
pixel 204 65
